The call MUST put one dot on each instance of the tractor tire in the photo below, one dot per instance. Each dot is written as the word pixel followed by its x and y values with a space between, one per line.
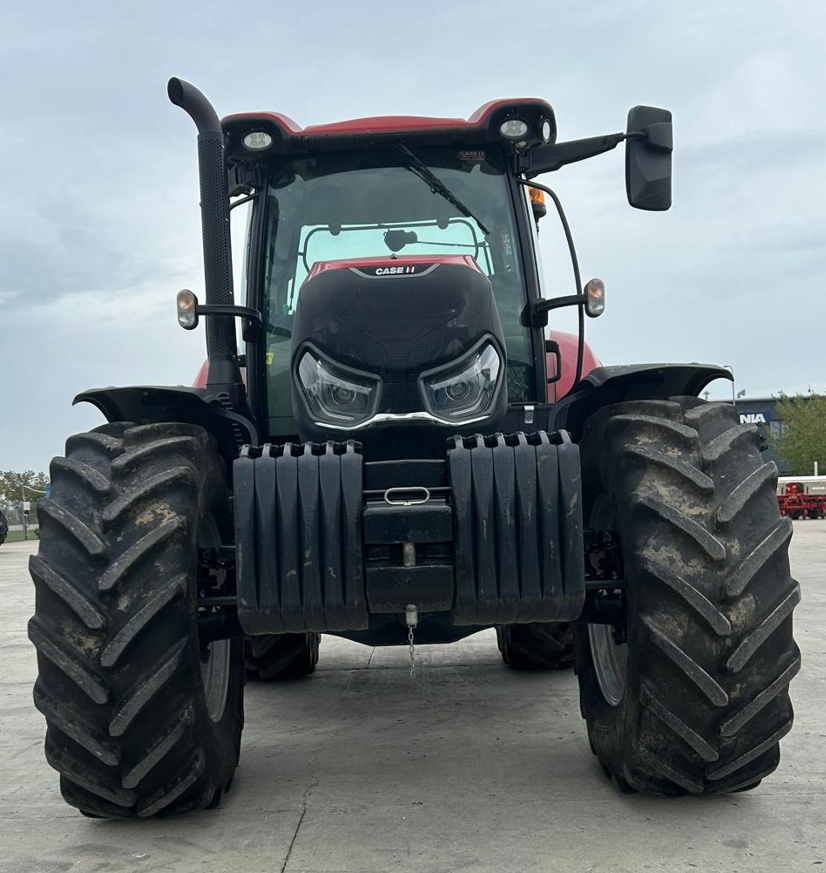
pixel 690 694
pixel 281 657
pixel 142 718
pixel 536 646
pixel 4 527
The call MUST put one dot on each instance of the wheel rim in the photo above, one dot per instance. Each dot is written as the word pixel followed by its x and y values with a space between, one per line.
pixel 215 671
pixel 609 662
pixel 609 657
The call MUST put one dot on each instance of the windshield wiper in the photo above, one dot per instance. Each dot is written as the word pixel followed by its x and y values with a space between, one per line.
pixel 437 186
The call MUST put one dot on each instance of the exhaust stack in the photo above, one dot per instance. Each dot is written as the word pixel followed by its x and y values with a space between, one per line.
pixel 224 374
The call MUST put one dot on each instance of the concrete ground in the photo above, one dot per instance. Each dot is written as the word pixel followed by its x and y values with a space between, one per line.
pixel 472 767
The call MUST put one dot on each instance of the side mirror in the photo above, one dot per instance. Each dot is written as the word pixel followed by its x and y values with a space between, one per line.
pixel 648 150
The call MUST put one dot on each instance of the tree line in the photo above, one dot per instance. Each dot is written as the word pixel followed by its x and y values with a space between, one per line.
pixel 16 487
pixel 803 440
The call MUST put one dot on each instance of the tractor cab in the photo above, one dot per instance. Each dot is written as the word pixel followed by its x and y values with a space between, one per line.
pixel 409 244
pixel 405 234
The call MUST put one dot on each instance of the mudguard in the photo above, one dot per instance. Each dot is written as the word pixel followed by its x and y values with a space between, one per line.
pixel 606 385
pixel 145 404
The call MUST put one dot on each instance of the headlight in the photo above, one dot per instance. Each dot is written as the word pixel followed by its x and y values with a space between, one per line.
pixel 465 390
pixel 334 394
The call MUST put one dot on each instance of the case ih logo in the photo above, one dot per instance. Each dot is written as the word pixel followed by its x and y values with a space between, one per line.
pixel 396 270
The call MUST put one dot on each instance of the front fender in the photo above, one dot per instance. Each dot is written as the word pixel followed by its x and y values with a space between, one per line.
pixel 146 404
pixel 604 386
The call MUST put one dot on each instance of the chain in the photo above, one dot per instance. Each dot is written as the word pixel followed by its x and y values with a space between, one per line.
pixel 411 617
pixel 412 648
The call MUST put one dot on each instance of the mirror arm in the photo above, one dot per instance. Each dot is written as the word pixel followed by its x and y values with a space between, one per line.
pixel 539 309
pixel 252 321
pixel 546 159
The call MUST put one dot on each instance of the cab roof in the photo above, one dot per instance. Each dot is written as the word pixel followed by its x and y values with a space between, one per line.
pixel 480 128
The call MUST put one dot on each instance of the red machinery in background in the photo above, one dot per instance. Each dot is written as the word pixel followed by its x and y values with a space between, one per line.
pixel 802 496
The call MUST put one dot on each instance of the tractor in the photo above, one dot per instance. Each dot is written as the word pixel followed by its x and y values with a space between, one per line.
pixel 401 453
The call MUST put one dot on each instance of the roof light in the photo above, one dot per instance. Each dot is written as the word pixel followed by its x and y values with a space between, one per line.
pixel 546 130
pixel 257 140
pixel 187 310
pixel 595 298
pixel 513 128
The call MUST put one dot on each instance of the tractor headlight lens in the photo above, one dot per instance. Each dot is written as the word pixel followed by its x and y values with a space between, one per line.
pixel 513 128
pixel 335 395
pixel 257 140
pixel 465 390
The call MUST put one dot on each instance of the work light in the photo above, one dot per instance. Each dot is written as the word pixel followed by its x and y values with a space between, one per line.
pixel 513 128
pixel 257 140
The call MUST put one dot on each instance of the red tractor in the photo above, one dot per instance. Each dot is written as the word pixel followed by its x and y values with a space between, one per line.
pixel 391 468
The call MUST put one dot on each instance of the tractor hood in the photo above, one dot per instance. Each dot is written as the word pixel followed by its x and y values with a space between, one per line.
pixel 404 342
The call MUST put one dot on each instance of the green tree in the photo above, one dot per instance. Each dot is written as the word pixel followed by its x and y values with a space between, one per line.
pixel 803 440
pixel 16 487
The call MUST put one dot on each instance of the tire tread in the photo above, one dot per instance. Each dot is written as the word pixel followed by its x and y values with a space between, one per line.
pixel 715 597
pixel 114 624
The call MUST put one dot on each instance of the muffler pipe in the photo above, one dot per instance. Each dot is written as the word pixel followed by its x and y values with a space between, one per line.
pixel 220 329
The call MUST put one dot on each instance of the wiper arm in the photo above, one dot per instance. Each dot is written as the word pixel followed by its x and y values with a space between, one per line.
pixel 437 186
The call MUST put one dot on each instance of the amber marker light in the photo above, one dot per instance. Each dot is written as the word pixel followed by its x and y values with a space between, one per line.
pixel 187 310
pixel 595 298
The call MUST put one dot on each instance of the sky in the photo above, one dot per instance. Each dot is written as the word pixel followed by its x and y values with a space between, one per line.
pixel 100 225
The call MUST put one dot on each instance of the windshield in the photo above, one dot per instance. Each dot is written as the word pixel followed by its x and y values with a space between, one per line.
pixel 372 204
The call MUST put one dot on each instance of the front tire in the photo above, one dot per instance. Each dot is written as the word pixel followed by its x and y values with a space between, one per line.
pixel 142 717
pixel 690 693
pixel 536 646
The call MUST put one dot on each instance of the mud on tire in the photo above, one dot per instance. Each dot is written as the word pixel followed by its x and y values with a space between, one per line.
pixel 135 726
pixel 702 696
pixel 536 646
pixel 280 657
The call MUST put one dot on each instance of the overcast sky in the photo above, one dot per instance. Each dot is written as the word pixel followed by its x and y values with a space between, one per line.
pixel 99 226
